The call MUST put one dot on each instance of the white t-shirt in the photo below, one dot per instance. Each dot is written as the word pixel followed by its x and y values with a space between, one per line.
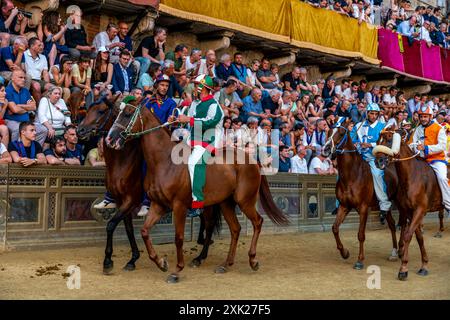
pixel 252 76
pixel 388 99
pixel 35 67
pixel 53 113
pixel 2 149
pixel 190 65
pixel 299 165
pixel 204 68
pixel 316 163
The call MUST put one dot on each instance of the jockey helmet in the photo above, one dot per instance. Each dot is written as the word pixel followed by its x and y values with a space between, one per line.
pixel 204 81
pixel 425 110
pixel 163 77
pixel 373 107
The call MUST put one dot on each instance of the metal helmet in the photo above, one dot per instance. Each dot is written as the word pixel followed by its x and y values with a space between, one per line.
pixel 204 81
pixel 373 107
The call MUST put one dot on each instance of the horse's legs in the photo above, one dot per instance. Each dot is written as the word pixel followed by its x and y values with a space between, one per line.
pixel 108 264
pixel 363 212
pixel 391 223
pixel 441 224
pixel 179 215
pixel 423 271
pixel 201 231
pixel 128 221
pixel 401 243
pixel 207 222
pixel 415 222
pixel 340 217
pixel 155 213
pixel 257 221
pixel 228 209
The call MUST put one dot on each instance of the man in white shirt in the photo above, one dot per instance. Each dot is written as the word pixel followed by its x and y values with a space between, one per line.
pixel 208 65
pixel 192 62
pixel 298 162
pixel 36 67
pixel 424 32
pixel 110 41
pixel 339 90
pixel 320 165
pixel 389 98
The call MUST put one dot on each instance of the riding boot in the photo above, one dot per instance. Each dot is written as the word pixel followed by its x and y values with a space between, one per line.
pixel 192 213
pixel 383 215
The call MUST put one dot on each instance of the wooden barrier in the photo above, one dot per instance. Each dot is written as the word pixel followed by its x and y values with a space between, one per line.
pixel 48 206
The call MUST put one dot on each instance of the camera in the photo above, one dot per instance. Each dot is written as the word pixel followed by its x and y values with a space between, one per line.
pixel 26 14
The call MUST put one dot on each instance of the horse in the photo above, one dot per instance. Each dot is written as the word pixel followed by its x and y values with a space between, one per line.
pixel 168 185
pixel 127 164
pixel 420 193
pixel 355 189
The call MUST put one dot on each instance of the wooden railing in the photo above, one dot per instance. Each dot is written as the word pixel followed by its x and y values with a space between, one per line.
pixel 51 206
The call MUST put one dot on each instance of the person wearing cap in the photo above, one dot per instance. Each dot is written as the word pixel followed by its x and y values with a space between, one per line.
pixel 159 103
pixel 205 117
pixel 430 140
pixel 122 78
pixel 365 134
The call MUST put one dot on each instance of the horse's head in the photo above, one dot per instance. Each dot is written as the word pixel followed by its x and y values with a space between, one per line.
pixel 125 124
pixel 388 147
pixel 99 117
pixel 337 137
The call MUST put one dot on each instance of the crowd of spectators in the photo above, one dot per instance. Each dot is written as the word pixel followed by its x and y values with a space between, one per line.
pixel 41 75
pixel 426 23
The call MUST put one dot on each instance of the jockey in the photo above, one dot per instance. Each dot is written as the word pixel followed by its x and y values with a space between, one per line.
pixel 366 133
pixel 160 103
pixel 431 140
pixel 205 115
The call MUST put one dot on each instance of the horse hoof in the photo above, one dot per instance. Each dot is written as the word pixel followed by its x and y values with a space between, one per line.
pixel 195 263
pixel 220 269
pixel 403 276
pixel 345 254
pixel 173 278
pixel 129 267
pixel 255 266
pixel 422 272
pixel 438 235
pixel 165 265
pixel 358 266
pixel 107 268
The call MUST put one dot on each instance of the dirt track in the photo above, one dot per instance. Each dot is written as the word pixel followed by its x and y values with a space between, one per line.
pixel 294 266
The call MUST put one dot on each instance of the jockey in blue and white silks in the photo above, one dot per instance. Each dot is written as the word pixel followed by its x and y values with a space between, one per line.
pixel 365 134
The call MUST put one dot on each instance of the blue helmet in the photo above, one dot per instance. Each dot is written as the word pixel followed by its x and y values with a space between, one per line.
pixel 373 107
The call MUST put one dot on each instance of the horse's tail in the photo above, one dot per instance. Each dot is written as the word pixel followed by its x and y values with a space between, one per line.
pixel 269 206
pixel 217 218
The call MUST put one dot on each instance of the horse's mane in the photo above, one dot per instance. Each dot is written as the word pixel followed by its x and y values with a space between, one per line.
pixel 152 114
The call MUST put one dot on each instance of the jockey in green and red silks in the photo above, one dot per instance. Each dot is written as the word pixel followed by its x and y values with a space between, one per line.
pixel 205 118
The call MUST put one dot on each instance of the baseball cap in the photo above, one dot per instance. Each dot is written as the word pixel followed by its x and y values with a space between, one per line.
pixel 103 49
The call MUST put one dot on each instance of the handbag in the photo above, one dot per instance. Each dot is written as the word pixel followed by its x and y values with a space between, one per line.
pixel 66 113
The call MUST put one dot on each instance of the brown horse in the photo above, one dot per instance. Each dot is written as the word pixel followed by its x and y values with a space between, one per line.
pixel 355 190
pixel 127 164
pixel 168 185
pixel 420 193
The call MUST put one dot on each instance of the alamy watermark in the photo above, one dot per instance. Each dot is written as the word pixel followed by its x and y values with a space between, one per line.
pixel 74 278
pixel 374 280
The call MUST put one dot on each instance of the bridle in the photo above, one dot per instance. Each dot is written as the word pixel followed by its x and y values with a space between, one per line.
pixel 339 146
pixel 137 114
pixel 393 158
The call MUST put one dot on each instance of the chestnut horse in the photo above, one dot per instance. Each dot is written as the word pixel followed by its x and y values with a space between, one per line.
pixel 168 185
pixel 354 189
pixel 419 190
pixel 127 164
pixel 127 191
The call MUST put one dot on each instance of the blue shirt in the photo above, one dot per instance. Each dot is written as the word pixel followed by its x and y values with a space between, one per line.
pixel 239 72
pixel 77 153
pixel 284 166
pixel 364 132
pixel 11 26
pixel 125 79
pixel 7 54
pixel 162 111
pixel 128 42
pixel 251 106
pixel 405 28
pixel 21 97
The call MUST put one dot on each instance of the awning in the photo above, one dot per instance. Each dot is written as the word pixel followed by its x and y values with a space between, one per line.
pixel 152 3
